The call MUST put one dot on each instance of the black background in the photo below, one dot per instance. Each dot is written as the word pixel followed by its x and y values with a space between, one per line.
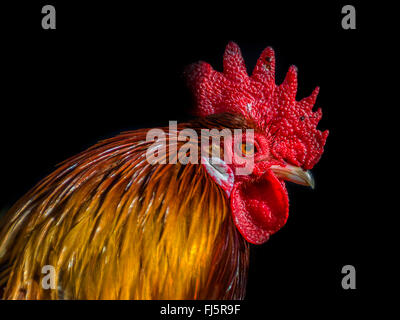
pixel 112 67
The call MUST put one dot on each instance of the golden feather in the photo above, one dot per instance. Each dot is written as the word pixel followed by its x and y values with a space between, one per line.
pixel 116 227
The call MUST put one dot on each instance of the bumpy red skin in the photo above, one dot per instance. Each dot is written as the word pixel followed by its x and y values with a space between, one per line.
pixel 289 125
pixel 274 108
pixel 260 206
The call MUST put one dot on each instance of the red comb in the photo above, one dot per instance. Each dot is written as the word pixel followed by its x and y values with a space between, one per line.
pixel 291 124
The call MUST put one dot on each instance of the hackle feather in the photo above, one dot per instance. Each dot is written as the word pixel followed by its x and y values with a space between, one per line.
pixel 116 227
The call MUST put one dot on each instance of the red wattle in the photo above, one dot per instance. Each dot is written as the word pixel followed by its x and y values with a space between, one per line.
pixel 260 207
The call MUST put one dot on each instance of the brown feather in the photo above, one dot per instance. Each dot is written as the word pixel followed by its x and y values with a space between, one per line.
pixel 116 227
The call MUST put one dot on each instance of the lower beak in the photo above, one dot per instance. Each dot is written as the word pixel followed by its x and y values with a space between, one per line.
pixel 293 174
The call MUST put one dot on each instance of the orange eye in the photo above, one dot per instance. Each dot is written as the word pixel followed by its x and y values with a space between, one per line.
pixel 248 149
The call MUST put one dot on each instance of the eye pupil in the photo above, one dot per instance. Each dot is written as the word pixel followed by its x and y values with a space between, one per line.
pixel 248 148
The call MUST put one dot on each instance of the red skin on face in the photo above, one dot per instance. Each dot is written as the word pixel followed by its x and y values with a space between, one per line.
pixel 259 202
pixel 260 207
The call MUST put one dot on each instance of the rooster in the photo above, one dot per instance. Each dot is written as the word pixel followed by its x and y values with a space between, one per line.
pixel 115 226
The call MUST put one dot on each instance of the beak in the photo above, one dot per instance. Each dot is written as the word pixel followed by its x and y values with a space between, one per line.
pixel 293 174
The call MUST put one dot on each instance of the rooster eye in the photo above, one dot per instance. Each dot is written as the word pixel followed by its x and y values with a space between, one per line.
pixel 248 149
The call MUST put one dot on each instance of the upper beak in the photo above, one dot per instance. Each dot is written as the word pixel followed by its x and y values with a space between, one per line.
pixel 293 174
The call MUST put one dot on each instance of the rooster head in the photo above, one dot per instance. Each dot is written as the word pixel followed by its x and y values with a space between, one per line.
pixel 284 146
